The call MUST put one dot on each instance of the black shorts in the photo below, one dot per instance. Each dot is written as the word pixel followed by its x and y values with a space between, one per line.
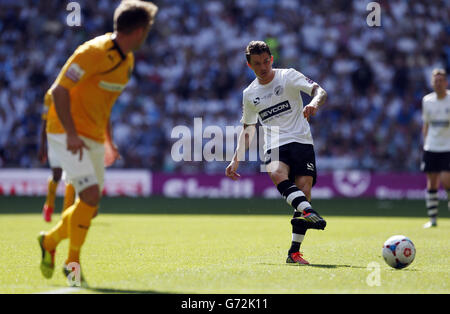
pixel 300 158
pixel 435 161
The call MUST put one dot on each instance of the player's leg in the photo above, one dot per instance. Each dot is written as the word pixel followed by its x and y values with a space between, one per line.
pixel 69 196
pixel 305 183
pixel 279 171
pixel 80 173
pixel 432 167
pixel 49 204
pixel 75 220
pixel 279 174
pixel 74 224
pixel 299 223
pixel 79 220
pixel 431 198
pixel 85 209
pixel 303 170
pixel 299 226
pixel 445 179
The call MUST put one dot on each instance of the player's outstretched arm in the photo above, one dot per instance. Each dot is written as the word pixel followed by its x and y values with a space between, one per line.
pixel 319 98
pixel 245 138
pixel 61 98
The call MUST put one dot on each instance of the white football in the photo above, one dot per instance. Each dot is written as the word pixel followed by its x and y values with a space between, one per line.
pixel 399 251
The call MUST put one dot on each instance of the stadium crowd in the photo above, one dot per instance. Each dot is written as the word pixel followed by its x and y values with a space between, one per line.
pixel 193 65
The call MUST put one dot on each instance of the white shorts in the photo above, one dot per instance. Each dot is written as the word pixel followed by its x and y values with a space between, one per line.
pixel 82 173
pixel 54 163
pixel 52 160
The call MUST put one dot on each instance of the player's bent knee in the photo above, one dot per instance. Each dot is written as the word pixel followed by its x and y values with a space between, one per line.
pixel 445 179
pixel 278 176
pixel 91 195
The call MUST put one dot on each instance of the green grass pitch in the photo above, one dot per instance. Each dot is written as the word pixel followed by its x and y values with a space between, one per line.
pixel 205 246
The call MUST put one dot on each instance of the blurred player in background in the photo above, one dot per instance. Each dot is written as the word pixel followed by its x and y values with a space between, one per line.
pixel 274 98
pixel 82 98
pixel 44 155
pixel 436 133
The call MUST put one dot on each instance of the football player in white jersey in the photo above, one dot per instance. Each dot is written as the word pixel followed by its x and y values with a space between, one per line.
pixel 436 132
pixel 274 99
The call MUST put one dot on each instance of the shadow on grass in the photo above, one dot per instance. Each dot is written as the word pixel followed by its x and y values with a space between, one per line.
pixel 123 291
pixel 349 266
pixel 403 269
pixel 335 266
pixel 316 265
pixel 64 289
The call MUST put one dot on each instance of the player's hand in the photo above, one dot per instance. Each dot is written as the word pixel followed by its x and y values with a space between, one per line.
pixel 230 172
pixel 309 111
pixel 42 154
pixel 111 154
pixel 76 145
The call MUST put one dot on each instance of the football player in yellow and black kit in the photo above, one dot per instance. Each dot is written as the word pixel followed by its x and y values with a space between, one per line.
pixel 82 97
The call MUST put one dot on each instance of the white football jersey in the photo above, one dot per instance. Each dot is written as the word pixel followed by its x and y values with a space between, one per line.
pixel 436 112
pixel 279 108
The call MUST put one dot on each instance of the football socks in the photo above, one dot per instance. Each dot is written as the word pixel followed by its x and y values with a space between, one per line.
pixel 51 194
pixel 59 232
pixel 293 195
pixel 69 196
pixel 432 202
pixel 79 222
pixel 74 224
pixel 298 233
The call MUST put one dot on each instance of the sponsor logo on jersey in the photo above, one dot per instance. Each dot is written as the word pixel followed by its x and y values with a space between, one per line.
pixel 440 124
pixel 278 90
pixel 275 110
pixel 258 99
pixel 111 87
pixel 74 72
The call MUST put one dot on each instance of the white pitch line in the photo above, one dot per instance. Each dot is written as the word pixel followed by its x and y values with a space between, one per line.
pixel 62 291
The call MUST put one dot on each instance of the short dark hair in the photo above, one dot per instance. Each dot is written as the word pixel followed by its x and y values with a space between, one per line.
pixel 256 47
pixel 133 14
